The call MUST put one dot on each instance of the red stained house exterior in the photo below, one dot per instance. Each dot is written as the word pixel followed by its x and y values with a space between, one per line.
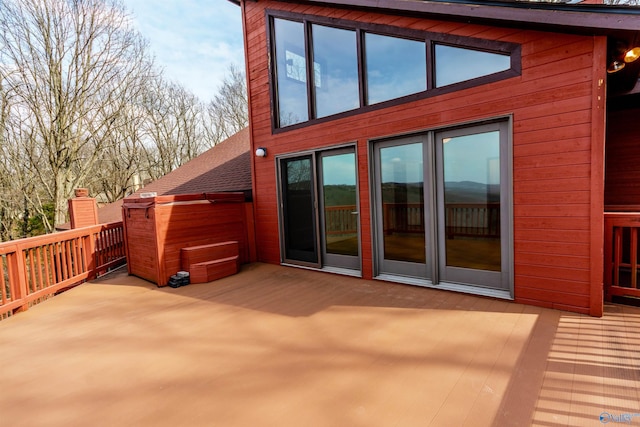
pixel 555 110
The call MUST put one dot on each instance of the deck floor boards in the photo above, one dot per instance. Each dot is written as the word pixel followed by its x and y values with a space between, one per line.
pixel 280 346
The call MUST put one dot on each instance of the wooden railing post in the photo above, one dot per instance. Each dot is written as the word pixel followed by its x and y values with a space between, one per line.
pixel 89 247
pixel 19 269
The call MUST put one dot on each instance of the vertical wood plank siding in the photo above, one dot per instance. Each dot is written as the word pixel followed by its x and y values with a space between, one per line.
pixel 553 122
pixel 623 159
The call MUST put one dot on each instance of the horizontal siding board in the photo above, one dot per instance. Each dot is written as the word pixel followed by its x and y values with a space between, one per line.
pixel 552 147
pixel 547 260
pixel 553 198
pixel 551 106
pixel 559 134
pixel 553 224
pixel 574 278
pixel 570 211
pixel 551 172
pixel 576 114
pixel 622 172
pixel 555 159
pixel 553 298
pixel 549 247
pixel 558 235
pixel 545 186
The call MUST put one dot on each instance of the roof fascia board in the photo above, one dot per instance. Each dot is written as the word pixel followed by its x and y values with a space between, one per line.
pixel 603 20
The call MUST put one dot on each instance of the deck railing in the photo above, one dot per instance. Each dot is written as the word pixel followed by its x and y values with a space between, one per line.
pixel 35 268
pixel 403 218
pixel 621 254
pixel 341 220
pixel 473 220
pixel 462 219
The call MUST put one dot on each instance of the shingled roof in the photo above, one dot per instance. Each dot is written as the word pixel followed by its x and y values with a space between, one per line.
pixel 223 168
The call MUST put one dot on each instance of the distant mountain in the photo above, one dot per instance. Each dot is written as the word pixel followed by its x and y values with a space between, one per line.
pixel 456 192
pixel 471 192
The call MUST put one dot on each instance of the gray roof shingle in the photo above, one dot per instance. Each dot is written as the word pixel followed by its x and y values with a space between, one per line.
pixel 223 168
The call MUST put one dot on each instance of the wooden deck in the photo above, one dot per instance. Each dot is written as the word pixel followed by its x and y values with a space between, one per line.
pixel 278 346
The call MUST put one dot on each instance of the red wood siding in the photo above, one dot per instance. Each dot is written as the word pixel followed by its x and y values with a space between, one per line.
pixel 552 105
pixel 622 178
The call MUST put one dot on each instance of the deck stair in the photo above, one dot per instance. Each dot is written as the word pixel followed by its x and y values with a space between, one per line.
pixel 206 263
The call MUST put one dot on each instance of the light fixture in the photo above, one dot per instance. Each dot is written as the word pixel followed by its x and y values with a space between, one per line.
pixel 632 54
pixel 615 66
pixel 261 152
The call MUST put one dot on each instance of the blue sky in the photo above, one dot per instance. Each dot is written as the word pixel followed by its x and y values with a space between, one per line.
pixel 194 41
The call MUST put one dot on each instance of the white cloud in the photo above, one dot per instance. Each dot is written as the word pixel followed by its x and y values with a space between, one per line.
pixel 194 41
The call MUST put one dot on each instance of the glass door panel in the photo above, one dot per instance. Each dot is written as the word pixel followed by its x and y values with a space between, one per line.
pixel 400 187
pixel 470 206
pixel 339 209
pixel 472 201
pixel 299 225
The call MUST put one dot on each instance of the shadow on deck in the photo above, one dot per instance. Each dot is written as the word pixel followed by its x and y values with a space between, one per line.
pixel 290 347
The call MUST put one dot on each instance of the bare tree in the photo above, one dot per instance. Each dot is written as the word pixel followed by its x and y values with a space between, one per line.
pixel 117 171
pixel 16 173
pixel 77 64
pixel 8 214
pixel 228 111
pixel 173 127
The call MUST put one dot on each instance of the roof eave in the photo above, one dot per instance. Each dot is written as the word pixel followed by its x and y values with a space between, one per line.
pixel 597 20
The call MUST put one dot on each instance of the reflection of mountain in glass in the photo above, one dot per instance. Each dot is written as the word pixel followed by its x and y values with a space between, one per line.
pixel 455 192
pixel 339 195
pixel 471 192
pixel 400 192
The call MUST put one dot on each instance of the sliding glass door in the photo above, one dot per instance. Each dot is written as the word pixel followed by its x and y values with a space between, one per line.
pixel 298 205
pixel 319 210
pixel 473 206
pixel 402 213
pixel 339 209
pixel 442 207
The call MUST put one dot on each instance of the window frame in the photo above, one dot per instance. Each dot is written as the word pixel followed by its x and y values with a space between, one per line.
pixel 513 50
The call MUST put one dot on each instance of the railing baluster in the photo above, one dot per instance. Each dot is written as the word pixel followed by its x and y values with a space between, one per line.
pixel 38 266
pixel 3 282
pixel 633 257
pixel 68 259
pixel 79 259
pixel 46 250
pixel 33 286
pixel 57 256
pixel 617 255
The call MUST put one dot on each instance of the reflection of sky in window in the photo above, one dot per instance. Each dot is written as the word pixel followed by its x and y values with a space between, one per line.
pixel 455 64
pixel 297 68
pixel 395 67
pixel 292 91
pixel 336 53
pixel 339 169
pixel 402 164
pixel 472 158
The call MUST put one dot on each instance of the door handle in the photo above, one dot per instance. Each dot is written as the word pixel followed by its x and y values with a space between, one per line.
pixel 355 213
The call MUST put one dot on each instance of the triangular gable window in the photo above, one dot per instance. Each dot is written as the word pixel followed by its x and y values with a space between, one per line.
pixel 456 64
pixel 326 68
